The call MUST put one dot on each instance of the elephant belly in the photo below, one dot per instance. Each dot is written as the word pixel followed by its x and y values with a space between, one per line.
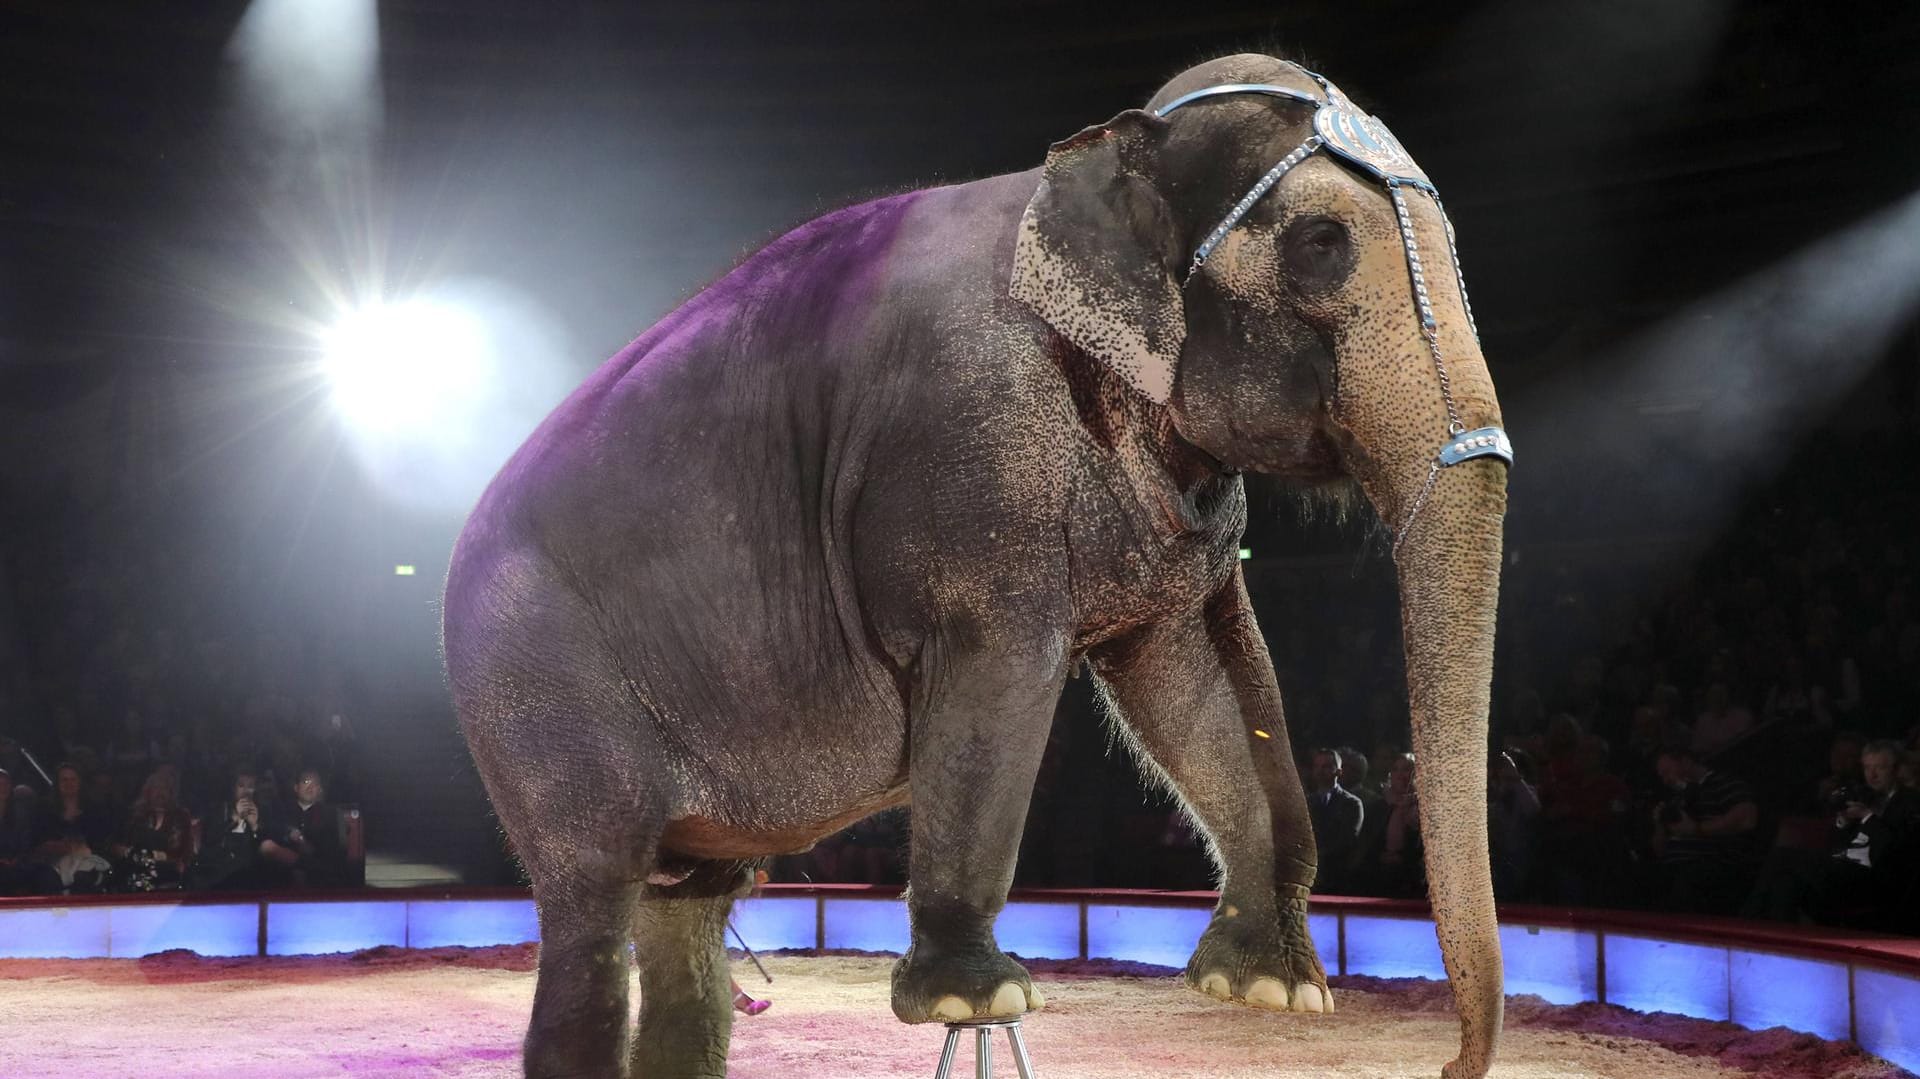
pixel 708 838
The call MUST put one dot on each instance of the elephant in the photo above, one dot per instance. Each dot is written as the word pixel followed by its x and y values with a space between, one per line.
pixel 831 536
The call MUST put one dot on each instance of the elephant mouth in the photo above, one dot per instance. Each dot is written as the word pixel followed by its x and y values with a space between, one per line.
pixel 1361 141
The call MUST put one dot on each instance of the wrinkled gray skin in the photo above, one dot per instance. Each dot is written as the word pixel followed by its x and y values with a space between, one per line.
pixel 830 538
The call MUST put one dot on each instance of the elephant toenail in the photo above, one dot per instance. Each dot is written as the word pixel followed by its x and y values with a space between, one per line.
pixel 1216 985
pixel 1009 999
pixel 1035 1001
pixel 1267 993
pixel 951 1010
pixel 1306 998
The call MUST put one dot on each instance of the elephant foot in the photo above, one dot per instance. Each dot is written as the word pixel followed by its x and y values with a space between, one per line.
pixel 1262 962
pixel 954 987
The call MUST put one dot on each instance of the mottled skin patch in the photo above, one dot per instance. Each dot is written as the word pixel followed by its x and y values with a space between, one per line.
pixel 831 536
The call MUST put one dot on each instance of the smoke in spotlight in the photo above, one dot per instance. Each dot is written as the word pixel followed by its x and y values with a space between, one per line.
pixel 1675 426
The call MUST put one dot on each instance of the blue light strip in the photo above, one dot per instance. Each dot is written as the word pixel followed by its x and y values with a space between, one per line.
pixel 868 925
pixel 470 923
pixel 1161 935
pixel 228 929
pixel 1884 1007
pixel 56 933
pixel 1787 991
pixel 771 922
pixel 1651 975
pixel 1561 966
pixel 1393 947
pixel 324 928
pixel 1040 930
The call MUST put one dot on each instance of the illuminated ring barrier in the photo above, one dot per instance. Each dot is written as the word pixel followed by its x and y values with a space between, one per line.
pixel 1828 982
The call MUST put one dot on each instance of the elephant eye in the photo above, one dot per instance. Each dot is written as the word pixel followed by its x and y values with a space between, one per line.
pixel 1317 253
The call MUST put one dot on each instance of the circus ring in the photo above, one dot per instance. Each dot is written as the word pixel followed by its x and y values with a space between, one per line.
pixel 441 978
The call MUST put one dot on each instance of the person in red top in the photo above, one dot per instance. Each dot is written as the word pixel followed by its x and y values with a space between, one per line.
pixel 1583 834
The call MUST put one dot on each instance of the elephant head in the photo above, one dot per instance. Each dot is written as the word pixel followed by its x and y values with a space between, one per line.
pixel 1260 258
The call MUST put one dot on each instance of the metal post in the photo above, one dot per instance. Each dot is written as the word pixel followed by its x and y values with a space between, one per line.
pixel 945 1070
pixel 1020 1060
pixel 983 1053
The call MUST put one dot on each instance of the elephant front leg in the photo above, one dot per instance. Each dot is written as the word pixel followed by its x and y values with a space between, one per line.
pixel 1199 699
pixel 976 747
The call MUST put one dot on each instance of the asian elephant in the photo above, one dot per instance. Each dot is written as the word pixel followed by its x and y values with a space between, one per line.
pixel 831 536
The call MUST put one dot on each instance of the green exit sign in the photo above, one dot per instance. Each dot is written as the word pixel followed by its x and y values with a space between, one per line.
pixel 1246 553
pixel 407 571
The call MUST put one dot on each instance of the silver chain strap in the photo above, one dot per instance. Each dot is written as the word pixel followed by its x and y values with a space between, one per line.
pixel 1453 253
pixel 1429 332
pixel 1265 184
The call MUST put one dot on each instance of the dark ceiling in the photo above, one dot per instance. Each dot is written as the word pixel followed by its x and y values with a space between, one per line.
pixel 1605 162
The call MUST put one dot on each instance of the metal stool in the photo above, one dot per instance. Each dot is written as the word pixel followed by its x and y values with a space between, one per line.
pixel 983 1047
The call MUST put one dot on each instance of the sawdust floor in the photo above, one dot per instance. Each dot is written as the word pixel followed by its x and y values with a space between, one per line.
pixel 460 1012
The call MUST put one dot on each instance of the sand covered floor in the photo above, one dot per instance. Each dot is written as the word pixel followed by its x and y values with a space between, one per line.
pixel 460 1012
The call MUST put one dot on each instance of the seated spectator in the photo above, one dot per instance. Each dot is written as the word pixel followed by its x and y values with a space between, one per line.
pixel 235 852
pixel 1512 812
pixel 1703 835
pixel 66 808
pixel 156 843
pixel 1336 815
pixel 313 833
pixel 1721 722
pixel 1390 853
pixel 1867 869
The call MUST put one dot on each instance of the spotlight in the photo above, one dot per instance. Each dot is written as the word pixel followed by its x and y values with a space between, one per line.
pixel 405 364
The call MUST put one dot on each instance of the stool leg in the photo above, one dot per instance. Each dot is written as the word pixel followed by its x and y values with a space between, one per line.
pixel 1020 1060
pixel 983 1053
pixel 945 1071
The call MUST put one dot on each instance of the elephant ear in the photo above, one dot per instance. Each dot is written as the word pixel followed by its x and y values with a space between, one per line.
pixel 1097 248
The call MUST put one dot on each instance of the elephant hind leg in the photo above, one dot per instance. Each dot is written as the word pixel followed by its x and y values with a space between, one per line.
pixel 584 806
pixel 579 1024
pixel 686 993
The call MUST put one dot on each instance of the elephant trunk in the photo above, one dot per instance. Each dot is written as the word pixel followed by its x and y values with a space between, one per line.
pixel 1449 569
pixel 1393 406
